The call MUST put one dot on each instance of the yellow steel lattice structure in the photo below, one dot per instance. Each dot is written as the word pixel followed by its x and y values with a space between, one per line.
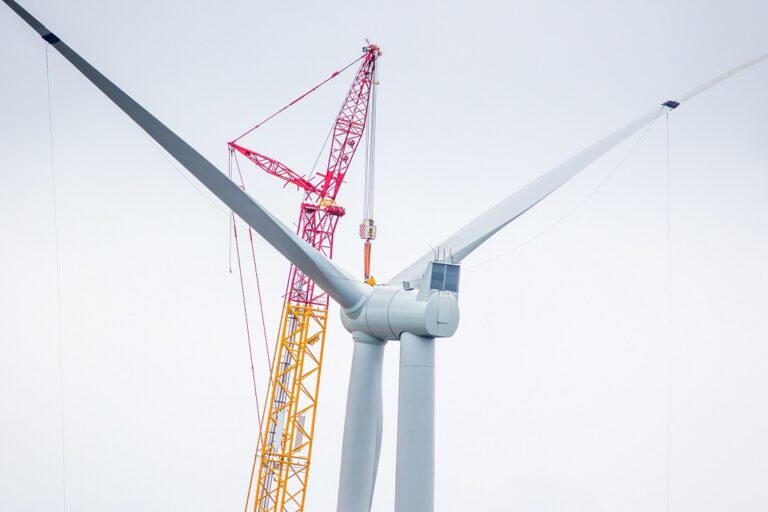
pixel 286 444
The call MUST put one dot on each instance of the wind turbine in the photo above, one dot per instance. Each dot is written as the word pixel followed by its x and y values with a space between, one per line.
pixel 417 306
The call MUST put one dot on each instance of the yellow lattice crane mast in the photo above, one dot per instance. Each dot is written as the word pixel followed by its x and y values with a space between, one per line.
pixel 287 433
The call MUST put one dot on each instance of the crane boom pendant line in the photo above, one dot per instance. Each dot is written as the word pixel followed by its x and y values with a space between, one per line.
pixel 416 306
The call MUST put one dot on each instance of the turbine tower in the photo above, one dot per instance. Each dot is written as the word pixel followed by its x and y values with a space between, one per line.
pixel 417 306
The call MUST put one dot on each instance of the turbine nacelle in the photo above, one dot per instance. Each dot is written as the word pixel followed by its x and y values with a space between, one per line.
pixel 431 310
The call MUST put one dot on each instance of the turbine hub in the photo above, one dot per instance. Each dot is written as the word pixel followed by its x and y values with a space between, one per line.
pixel 389 311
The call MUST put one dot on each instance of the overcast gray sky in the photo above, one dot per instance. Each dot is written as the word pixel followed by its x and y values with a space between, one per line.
pixel 553 395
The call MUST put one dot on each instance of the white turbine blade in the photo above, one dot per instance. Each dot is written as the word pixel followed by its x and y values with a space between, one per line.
pixel 719 78
pixel 336 282
pixel 362 427
pixel 471 236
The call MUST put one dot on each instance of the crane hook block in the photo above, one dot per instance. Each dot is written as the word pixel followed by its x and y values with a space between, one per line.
pixel 368 229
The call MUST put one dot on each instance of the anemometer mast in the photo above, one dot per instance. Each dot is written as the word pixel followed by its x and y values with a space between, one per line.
pixel 288 431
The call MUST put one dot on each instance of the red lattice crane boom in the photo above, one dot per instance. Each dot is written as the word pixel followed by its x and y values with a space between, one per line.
pixel 347 132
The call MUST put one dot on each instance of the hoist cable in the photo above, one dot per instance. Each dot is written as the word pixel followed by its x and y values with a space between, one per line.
pixel 58 284
pixel 370 150
pixel 372 165
pixel 366 176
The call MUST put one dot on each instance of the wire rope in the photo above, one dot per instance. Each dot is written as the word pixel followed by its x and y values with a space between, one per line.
pixel 370 150
pixel 256 273
pixel 313 89
pixel 669 324
pixel 58 285
pixel 579 204
pixel 322 148
pixel 261 413
pixel 247 322
pixel 183 173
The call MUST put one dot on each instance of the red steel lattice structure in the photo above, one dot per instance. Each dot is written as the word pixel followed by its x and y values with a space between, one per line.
pixel 287 434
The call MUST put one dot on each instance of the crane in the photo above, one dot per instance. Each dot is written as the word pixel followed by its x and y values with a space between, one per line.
pixel 287 432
